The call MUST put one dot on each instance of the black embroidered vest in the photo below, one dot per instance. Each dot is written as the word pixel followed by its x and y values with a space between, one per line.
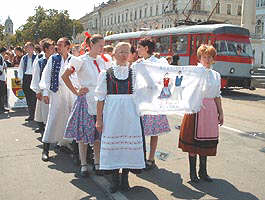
pixel 116 86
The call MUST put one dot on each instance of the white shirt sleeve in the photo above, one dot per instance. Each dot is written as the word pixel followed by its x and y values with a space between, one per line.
pixel 46 78
pixel 101 89
pixel 218 89
pixel 75 62
pixel 35 77
pixel 20 68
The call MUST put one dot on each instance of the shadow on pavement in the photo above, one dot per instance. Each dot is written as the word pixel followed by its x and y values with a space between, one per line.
pixel 223 190
pixel 62 162
pixel 171 182
pixel 239 95
pixel 139 192
pixel 88 186
pixel 14 113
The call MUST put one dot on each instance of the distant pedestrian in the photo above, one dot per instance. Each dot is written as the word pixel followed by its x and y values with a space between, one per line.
pixel 25 74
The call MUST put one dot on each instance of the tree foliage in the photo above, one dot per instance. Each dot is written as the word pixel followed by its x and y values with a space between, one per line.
pixel 44 23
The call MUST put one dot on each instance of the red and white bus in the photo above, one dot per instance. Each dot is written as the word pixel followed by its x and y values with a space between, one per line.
pixel 234 60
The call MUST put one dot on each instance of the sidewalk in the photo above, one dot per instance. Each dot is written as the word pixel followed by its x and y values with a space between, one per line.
pixel 25 176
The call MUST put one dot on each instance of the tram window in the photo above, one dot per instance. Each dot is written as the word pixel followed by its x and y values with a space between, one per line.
pixel 231 48
pixel 179 44
pixel 162 44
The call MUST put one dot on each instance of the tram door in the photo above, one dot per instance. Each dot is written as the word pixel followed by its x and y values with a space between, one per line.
pixel 195 43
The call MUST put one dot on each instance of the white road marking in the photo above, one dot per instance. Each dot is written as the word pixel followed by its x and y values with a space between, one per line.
pixel 233 129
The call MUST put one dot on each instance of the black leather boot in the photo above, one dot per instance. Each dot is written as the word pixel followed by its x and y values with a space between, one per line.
pixel 124 180
pixel 193 174
pixel 115 181
pixel 203 169
pixel 45 152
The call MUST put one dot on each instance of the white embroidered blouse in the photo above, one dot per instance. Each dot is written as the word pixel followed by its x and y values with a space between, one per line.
pixel 212 84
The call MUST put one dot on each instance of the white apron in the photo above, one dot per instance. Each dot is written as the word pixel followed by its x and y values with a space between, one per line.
pixel 121 142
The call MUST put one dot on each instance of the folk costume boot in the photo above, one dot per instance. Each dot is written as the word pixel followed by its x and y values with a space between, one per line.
pixel 203 169
pixel 39 129
pixel 124 180
pixel 193 174
pixel 115 181
pixel 45 152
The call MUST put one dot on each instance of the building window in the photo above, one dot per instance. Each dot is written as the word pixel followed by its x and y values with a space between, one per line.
pixel 151 11
pixel 257 3
pixel 111 20
pixel 140 14
pixel 115 19
pixel 119 19
pixel 122 18
pixel 163 7
pixel 135 14
pixel 145 11
pixel 156 9
pixel 131 15
pixel 262 55
pixel 196 4
pixel 239 10
pixel 228 9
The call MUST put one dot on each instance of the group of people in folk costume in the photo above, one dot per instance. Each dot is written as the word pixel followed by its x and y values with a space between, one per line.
pixel 88 99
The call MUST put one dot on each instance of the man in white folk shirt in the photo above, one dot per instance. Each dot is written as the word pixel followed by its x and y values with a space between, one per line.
pixel 25 74
pixel 58 96
pixel 41 112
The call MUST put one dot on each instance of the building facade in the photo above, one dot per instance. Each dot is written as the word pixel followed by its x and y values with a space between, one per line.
pixel 258 38
pixel 119 16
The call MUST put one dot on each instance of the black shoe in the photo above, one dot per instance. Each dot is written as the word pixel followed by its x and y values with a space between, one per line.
pixel 98 172
pixel 29 119
pixel 6 110
pixel 45 152
pixel 45 156
pixel 38 130
pixel 84 173
pixel 150 164
pixel 203 169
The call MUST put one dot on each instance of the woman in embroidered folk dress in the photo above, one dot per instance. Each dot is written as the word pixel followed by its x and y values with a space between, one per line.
pixel 117 119
pixel 153 125
pixel 199 132
pixel 81 123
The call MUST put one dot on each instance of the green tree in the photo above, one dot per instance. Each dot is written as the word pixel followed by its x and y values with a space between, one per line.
pixel 49 23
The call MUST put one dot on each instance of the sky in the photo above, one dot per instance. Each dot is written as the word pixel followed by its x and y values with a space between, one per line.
pixel 20 10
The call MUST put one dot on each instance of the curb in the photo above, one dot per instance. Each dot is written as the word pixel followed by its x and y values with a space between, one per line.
pixel 104 184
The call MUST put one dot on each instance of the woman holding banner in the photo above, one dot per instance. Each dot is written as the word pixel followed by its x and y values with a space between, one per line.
pixel 153 125
pixel 199 131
